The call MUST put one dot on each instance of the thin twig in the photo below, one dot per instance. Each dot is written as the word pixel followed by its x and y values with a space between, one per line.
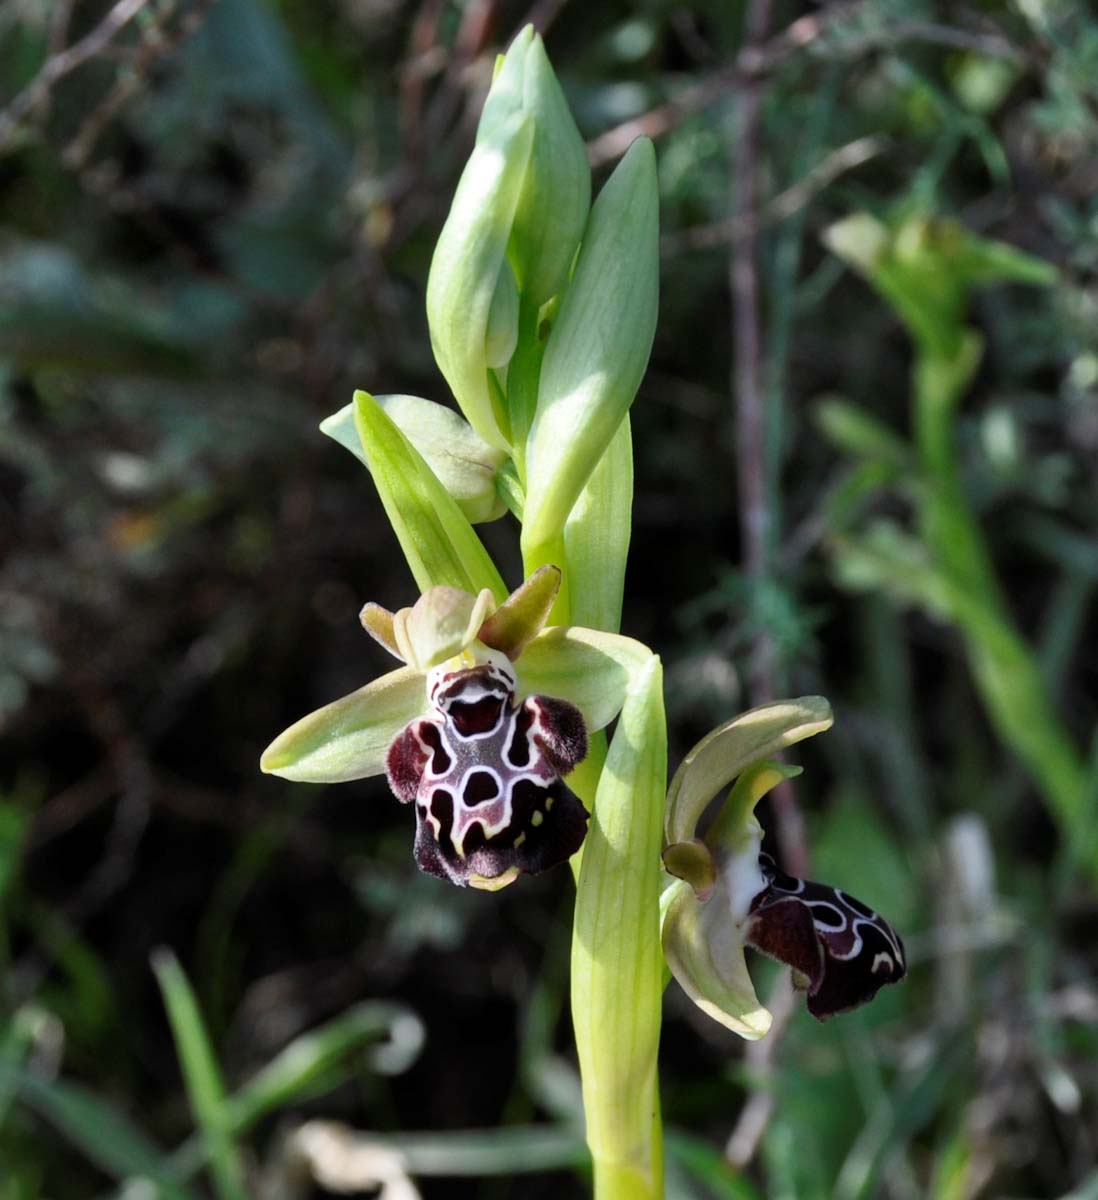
pixel 157 43
pixel 57 66
pixel 784 205
pixel 759 61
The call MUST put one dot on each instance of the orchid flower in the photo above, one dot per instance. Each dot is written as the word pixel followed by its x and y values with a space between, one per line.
pixel 490 712
pixel 728 894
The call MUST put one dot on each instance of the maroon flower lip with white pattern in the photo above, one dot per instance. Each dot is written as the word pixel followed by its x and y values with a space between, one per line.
pixel 485 772
pixel 841 951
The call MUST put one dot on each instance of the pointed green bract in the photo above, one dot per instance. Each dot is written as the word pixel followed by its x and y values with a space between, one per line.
pixel 457 455
pixel 718 758
pixel 598 349
pixel 466 267
pixel 617 968
pixel 348 739
pixel 556 193
pixel 596 537
pixel 439 544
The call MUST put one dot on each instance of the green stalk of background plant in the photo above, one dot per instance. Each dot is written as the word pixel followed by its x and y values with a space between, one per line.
pixel 1004 666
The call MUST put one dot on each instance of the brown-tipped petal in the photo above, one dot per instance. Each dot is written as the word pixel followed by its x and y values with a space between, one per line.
pixel 378 623
pixel 521 617
pixel 856 950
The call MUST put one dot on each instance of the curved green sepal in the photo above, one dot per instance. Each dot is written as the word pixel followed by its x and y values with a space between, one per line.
pixel 704 950
pixel 348 738
pixel 590 668
pixel 599 346
pixel 522 616
pixel 441 547
pixel 723 754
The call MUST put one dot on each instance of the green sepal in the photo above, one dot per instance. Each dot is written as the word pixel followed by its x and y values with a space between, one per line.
pixel 617 968
pixel 459 457
pixel 703 926
pixel 719 757
pixel 348 738
pixel 704 952
pixel 590 668
pixel 440 545
pixel 466 266
pixel 598 349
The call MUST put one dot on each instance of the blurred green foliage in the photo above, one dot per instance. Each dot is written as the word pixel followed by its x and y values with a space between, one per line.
pixel 191 279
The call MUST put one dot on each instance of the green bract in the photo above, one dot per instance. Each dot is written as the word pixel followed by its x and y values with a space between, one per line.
pixel 459 457
pixel 512 232
pixel 465 271
pixel 598 349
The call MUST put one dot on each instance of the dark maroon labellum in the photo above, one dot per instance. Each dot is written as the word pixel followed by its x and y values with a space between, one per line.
pixel 485 775
pixel 840 950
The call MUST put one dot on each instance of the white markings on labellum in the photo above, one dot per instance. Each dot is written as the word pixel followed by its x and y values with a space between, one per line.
pixel 485 774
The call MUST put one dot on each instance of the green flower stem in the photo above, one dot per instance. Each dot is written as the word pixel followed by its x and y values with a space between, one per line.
pixel 617 963
pixel 1003 665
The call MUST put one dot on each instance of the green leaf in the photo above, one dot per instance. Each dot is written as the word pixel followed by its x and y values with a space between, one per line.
pixel 348 738
pixel 440 545
pixel 598 349
pixel 719 757
pixel 318 1060
pixel 103 1134
pixel 201 1077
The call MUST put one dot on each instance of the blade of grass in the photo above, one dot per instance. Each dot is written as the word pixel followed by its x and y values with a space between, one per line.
pixel 201 1077
pixel 101 1132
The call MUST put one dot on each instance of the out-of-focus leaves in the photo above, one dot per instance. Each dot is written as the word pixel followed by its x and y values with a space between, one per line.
pixel 54 312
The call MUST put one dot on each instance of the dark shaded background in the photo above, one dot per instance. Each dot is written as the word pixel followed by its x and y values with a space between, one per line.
pixel 219 225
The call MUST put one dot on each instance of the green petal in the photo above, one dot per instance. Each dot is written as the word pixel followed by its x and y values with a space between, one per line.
pixel 441 623
pixel 718 758
pixel 521 617
pixel 441 547
pixel 704 949
pixel 348 738
pixel 590 668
